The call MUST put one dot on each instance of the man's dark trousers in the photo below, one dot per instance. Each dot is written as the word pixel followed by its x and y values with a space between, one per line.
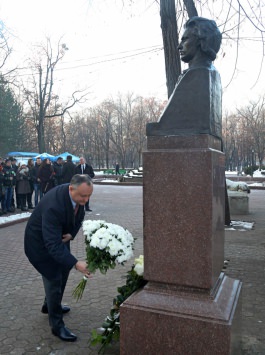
pixel 54 290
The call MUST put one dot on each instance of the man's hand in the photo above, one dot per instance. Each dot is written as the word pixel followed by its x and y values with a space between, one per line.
pixel 82 267
pixel 66 237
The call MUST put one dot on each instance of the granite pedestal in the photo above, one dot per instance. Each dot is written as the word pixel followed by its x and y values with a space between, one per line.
pixel 238 202
pixel 188 305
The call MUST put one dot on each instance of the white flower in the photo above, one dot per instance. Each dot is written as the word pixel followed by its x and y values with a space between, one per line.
pixel 139 269
pixel 124 257
pixel 139 265
pixel 91 226
pixel 114 239
pixel 114 247
pixel 95 242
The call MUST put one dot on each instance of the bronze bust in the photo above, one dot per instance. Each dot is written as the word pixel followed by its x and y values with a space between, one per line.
pixel 195 106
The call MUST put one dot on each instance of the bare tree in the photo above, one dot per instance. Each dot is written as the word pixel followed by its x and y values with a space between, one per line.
pixel 104 116
pixel 39 92
pixel 145 110
pixel 7 75
pixel 232 133
pixel 254 116
pixel 171 42
pixel 113 130
pixel 244 136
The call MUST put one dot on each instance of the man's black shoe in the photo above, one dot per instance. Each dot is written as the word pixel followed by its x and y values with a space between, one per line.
pixel 88 210
pixel 44 309
pixel 64 334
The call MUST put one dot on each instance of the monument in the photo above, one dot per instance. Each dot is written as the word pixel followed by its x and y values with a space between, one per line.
pixel 188 305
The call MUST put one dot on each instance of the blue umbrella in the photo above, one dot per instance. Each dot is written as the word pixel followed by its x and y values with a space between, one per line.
pixel 46 155
pixel 75 158
pixel 22 154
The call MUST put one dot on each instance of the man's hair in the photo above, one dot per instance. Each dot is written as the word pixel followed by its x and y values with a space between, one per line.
pixel 79 179
pixel 208 33
pixel 69 157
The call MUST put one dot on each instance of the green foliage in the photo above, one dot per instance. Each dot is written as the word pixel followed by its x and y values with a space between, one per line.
pixel 98 259
pixel 11 120
pixel 250 169
pixel 110 329
pixel 109 171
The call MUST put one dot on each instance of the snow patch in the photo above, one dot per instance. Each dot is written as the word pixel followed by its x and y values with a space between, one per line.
pixel 240 225
pixel 14 217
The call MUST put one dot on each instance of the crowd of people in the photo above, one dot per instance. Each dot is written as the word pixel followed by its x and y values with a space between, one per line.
pixel 23 182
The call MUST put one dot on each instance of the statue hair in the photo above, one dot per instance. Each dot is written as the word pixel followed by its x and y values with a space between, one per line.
pixel 208 33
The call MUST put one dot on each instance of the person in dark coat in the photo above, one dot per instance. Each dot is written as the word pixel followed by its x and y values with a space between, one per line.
pixel 23 185
pixel 58 170
pixel 46 175
pixel 15 168
pixel 68 169
pixel 84 168
pixel 36 181
pixel 29 195
pixel 53 224
pixel 9 183
pixel 2 191
pixel 117 169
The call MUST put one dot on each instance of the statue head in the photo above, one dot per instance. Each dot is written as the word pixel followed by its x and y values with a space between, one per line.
pixel 200 38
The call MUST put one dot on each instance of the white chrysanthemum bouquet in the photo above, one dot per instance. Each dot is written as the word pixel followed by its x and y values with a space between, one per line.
pixel 107 244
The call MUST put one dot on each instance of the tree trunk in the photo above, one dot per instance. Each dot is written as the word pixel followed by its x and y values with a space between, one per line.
pixel 107 149
pixel 190 7
pixel 171 42
pixel 41 140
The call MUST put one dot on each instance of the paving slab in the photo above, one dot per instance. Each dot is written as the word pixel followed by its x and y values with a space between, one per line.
pixel 25 330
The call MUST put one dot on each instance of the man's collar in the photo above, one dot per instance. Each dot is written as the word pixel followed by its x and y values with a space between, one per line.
pixel 73 202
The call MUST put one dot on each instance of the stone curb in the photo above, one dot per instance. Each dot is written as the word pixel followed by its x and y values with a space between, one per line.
pixel 11 223
pixel 256 187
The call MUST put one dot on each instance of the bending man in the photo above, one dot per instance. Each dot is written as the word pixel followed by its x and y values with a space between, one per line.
pixel 53 224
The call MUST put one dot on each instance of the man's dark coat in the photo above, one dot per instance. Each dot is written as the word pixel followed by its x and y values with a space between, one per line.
pixel 88 170
pixel 68 171
pixel 53 217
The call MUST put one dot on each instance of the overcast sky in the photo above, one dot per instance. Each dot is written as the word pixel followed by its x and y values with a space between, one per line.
pixel 113 48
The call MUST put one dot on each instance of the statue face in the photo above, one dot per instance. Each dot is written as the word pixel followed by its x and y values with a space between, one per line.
pixel 189 46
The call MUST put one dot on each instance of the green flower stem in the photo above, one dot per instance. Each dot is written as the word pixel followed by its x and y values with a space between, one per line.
pixel 79 290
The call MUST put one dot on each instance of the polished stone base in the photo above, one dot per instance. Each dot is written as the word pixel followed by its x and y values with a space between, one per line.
pixel 188 305
pixel 238 202
pixel 184 204
pixel 165 319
